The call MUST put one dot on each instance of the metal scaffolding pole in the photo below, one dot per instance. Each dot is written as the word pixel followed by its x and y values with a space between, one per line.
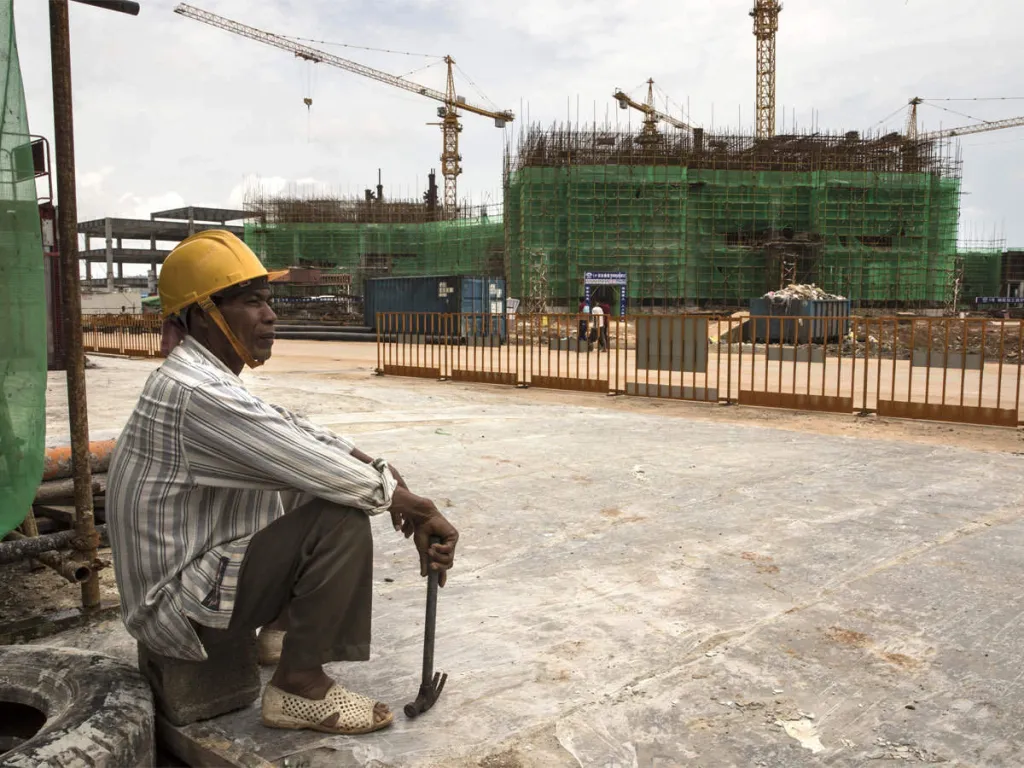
pixel 87 538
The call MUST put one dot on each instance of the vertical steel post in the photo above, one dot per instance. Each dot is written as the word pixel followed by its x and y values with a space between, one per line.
pixel 60 59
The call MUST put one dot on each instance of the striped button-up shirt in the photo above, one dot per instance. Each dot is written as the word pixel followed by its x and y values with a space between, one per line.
pixel 201 466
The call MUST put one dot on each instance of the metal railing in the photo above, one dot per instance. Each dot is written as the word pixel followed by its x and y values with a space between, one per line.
pixel 947 369
pixel 128 335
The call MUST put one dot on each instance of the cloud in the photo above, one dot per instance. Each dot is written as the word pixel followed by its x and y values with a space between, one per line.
pixel 168 107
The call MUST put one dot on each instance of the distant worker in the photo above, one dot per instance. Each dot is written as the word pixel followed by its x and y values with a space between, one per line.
pixel 599 333
pixel 584 324
pixel 606 310
pixel 228 513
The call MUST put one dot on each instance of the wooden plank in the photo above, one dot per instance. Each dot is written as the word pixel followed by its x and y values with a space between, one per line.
pixel 580 385
pixel 485 377
pixel 206 745
pixel 796 402
pixel 966 414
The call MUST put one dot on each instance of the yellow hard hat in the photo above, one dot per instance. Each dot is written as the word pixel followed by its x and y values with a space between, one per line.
pixel 203 265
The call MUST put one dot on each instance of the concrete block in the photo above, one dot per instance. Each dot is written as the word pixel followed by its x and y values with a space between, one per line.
pixel 483 340
pixel 802 354
pixel 672 343
pixel 699 394
pixel 188 691
pixel 951 360
pixel 572 345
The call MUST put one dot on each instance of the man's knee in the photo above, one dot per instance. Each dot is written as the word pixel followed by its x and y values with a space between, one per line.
pixel 347 524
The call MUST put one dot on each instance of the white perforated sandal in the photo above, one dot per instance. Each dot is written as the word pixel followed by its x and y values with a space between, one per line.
pixel 268 643
pixel 354 711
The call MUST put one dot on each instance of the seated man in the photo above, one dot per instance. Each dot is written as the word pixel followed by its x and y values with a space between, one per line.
pixel 230 513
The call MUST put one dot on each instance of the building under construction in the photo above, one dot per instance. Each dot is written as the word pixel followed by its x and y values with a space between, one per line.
pixel 690 219
pixel 713 220
pixel 373 237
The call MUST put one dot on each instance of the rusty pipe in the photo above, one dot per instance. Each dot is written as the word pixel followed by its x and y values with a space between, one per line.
pixel 74 571
pixel 64 134
pixel 59 491
pixel 17 547
pixel 58 465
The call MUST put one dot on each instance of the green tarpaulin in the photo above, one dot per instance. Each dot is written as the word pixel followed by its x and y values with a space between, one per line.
pixel 22 297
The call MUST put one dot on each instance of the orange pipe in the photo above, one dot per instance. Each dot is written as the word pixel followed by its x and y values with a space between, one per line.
pixel 57 464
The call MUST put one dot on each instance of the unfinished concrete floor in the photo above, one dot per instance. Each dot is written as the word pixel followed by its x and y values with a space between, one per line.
pixel 656 586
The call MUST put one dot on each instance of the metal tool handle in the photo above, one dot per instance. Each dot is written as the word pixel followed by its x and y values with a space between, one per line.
pixel 431 618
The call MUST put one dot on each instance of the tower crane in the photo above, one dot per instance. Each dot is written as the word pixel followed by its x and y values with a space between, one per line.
pixel 766 23
pixel 449 112
pixel 913 133
pixel 649 133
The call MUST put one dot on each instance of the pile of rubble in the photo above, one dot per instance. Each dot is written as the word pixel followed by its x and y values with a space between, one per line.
pixel 798 292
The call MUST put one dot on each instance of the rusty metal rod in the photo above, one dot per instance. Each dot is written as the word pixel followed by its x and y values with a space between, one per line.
pixel 63 122
pixel 75 572
pixel 15 549
pixel 59 491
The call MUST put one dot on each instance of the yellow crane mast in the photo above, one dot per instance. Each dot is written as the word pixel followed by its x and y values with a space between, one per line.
pixel 449 112
pixel 766 23
pixel 649 134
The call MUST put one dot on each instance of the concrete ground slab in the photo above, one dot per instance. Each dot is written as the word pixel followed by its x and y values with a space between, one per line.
pixel 635 589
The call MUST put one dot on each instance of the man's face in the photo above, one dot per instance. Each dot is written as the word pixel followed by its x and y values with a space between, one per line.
pixel 252 320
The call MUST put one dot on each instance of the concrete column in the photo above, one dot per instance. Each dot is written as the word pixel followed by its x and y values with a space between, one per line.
pixel 120 272
pixel 108 230
pixel 152 279
pixel 191 222
pixel 88 273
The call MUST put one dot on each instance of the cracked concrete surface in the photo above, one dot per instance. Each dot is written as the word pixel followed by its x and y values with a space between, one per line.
pixel 635 589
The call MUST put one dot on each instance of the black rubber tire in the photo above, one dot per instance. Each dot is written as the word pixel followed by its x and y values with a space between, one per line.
pixel 99 711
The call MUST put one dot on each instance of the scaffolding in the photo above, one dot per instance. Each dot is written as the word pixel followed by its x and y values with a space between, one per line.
pixel 713 220
pixel 373 237
pixel 979 271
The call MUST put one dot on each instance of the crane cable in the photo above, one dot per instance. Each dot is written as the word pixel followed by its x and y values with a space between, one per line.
pixel 669 101
pixel 359 47
pixel 420 69
pixel 477 88
pixel 983 98
pixel 961 114
pixel 888 117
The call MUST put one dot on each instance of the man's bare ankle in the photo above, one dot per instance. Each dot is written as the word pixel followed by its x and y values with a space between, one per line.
pixel 277 625
pixel 309 684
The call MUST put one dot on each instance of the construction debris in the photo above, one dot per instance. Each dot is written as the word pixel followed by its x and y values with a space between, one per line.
pixel 798 292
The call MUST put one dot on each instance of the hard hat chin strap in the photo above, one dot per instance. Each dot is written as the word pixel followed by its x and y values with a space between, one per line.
pixel 207 305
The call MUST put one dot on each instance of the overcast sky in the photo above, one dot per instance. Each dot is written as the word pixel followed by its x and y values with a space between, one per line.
pixel 169 111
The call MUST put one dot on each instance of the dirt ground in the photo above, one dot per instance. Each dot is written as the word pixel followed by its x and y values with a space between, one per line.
pixel 649 582
pixel 113 382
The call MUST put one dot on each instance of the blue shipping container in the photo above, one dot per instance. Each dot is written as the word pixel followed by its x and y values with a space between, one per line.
pixel 480 301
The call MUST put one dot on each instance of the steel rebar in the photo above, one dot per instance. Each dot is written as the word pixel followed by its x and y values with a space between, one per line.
pixel 64 131
pixel 20 547
pixel 74 571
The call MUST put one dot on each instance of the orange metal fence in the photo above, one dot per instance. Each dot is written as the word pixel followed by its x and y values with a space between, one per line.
pixel 946 369
pixel 128 335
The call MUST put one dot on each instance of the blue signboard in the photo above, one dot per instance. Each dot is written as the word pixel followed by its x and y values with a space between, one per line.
pixel 999 300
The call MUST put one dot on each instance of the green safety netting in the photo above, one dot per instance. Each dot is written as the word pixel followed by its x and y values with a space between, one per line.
pixel 728 235
pixel 466 246
pixel 22 298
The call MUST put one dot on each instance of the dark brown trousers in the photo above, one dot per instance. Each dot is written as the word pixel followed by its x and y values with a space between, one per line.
pixel 314 568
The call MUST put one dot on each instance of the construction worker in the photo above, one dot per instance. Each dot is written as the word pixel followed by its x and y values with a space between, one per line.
pixel 228 513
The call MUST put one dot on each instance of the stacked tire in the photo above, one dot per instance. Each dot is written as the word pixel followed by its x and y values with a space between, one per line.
pixel 98 711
